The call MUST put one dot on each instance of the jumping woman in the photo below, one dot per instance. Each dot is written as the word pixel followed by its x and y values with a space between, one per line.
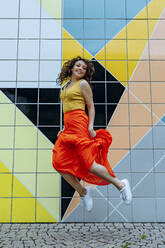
pixel 79 151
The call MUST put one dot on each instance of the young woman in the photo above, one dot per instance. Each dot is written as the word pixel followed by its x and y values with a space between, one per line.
pixel 81 152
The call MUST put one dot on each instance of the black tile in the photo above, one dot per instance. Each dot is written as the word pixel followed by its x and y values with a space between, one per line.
pixel 49 95
pixel 10 93
pixel 50 132
pixel 110 77
pixel 30 110
pixel 27 95
pixel 67 190
pixel 64 205
pixel 100 115
pixel 99 74
pixel 110 110
pixel 114 92
pixel 99 92
pixel 49 114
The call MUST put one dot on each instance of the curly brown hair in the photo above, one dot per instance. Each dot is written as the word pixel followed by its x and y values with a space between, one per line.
pixel 66 71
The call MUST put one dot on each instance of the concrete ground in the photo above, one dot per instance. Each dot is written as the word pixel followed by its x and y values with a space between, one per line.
pixel 83 235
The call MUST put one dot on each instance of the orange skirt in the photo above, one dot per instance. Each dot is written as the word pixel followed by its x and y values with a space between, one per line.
pixel 75 151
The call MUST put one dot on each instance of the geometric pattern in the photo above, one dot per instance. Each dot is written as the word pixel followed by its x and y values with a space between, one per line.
pixel 125 40
pixel 144 119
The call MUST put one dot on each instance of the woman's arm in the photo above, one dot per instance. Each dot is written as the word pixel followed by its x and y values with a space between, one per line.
pixel 88 95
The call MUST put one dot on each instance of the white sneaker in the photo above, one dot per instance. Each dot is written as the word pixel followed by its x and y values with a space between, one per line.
pixel 88 199
pixel 125 192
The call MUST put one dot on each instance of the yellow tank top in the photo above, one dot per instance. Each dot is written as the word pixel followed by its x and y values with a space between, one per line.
pixel 72 98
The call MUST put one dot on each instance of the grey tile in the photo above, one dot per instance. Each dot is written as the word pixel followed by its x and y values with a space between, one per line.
pixel 146 141
pixel 159 158
pixel 29 29
pixel 77 214
pixel 29 9
pixel 116 217
pixel 99 211
pixel 8 70
pixel 141 160
pixel 8 49
pixel 160 184
pixel 9 9
pixel 160 210
pixel 28 70
pixel 123 212
pixel 49 70
pixel 101 191
pixel 10 30
pixel 28 49
pixel 50 49
pixel 159 137
pixel 142 185
pixel 144 210
pixel 123 165
pixel 50 29
pixel 126 210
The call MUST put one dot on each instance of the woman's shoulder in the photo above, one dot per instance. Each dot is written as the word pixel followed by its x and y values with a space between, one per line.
pixel 84 83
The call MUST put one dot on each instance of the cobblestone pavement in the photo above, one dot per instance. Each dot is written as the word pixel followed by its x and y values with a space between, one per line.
pixel 87 235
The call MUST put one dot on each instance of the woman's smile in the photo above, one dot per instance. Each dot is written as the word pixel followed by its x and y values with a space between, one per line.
pixel 79 69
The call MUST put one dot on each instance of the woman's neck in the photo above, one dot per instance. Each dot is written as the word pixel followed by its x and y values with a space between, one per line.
pixel 74 79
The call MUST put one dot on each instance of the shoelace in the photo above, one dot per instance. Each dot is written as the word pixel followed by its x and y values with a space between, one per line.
pixel 124 196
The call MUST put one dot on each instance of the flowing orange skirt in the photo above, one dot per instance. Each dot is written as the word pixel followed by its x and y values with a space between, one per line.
pixel 75 151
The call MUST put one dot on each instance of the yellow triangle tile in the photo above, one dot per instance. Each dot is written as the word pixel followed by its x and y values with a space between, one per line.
pixel 5 185
pixel 42 215
pixel 4 98
pixel 5 210
pixel 19 189
pixel 51 204
pixel 155 8
pixel 118 69
pixel 3 168
pixel 72 48
pixel 23 210
pixel 52 7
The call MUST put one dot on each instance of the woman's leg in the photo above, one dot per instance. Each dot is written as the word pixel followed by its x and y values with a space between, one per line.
pixel 122 186
pixel 102 172
pixel 83 192
pixel 74 182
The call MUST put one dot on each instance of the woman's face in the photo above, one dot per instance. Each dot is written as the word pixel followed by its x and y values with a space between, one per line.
pixel 79 69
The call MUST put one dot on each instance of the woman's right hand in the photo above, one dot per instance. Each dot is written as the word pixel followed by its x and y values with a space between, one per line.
pixel 91 132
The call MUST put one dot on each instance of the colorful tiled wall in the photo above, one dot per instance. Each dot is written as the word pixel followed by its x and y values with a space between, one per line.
pixel 125 39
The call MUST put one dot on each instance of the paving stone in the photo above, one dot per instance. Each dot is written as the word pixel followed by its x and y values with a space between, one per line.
pixel 82 235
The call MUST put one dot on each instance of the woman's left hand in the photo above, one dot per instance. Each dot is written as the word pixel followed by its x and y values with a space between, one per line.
pixel 92 132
